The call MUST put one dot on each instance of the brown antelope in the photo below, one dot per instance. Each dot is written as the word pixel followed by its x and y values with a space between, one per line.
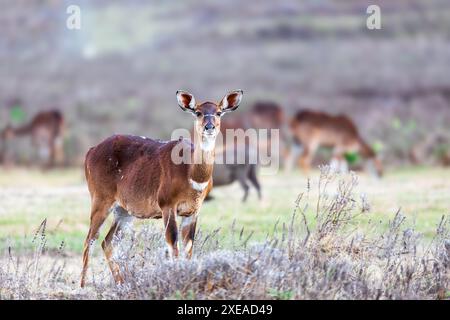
pixel 312 129
pixel 46 130
pixel 139 177
pixel 270 115
pixel 262 115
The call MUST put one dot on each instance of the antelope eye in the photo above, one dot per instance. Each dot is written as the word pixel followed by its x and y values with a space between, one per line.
pixel 198 113
pixel 219 114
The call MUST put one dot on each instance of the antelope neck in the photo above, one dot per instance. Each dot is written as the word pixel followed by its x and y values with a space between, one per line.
pixel 203 159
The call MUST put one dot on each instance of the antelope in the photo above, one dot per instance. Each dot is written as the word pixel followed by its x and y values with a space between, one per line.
pixel 46 130
pixel 312 129
pixel 267 114
pixel 227 173
pixel 262 115
pixel 137 177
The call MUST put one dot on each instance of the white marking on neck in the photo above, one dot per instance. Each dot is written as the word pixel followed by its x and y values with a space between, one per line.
pixel 208 143
pixel 207 146
pixel 199 186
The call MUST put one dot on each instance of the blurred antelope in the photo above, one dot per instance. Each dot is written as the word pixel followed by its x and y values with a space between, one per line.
pixel 46 130
pixel 227 173
pixel 139 177
pixel 262 115
pixel 312 129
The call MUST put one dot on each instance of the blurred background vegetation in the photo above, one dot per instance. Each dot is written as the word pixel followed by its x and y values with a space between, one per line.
pixel 119 73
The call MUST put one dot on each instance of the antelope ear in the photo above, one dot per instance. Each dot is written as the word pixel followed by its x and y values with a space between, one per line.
pixel 231 101
pixel 186 101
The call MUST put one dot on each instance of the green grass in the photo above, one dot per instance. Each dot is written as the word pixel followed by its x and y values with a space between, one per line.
pixel 28 197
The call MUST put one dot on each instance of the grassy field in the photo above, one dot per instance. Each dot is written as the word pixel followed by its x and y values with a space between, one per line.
pixel 28 197
pixel 359 251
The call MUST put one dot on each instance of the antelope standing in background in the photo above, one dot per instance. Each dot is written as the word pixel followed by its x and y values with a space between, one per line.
pixel 312 129
pixel 262 115
pixel 138 176
pixel 227 173
pixel 46 130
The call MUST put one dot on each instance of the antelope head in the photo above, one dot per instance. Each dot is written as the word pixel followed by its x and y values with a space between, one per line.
pixel 208 114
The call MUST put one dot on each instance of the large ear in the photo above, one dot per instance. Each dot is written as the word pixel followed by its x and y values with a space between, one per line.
pixel 186 101
pixel 231 101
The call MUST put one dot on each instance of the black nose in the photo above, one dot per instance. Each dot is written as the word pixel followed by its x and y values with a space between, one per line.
pixel 209 126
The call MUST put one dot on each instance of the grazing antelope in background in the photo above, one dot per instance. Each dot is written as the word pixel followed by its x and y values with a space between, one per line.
pixel 139 177
pixel 227 173
pixel 312 129
pixel 46 130
pixel 262 115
